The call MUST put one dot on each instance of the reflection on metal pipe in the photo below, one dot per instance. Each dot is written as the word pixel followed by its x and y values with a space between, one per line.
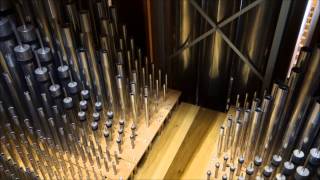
pixel 146 110
pixel 308 87
pixel 227 134
pixel 265 107
pixel 220 141
pixel 312 127
pixel 252 138
pixel 107 77
pixel 236 142
pixel 86 76
pixel 121 96
pixel 275 118
pixel 244 130
pixel 164 92
pixel 134 108
pixel 73 60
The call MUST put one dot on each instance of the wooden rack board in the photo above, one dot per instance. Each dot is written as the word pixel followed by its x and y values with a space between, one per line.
pixel 130 157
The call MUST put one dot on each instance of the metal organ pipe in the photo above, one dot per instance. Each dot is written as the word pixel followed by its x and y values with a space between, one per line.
pixel 308 87
pixel 271 130
pixel 71 77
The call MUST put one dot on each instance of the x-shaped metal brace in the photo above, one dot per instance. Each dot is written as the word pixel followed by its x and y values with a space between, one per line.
pixel 217 28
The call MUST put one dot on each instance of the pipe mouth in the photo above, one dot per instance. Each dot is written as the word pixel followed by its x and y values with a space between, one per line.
pixel 118 76
pixel 103 51
pixel 257 100
pixel 307 49
pixel 269 97
pixel 83 11
pixel 296 70
pixel 283 87
pixel 258 109
pixel 105 19
pixel 277 81
pixel 82 49
pixel 66 25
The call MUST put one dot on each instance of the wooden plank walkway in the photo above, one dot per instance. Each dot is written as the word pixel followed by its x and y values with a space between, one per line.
pixel 166 147
pixel 186 146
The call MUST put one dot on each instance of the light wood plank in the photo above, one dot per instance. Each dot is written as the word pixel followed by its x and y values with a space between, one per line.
pixel 166 147
pixel 202 157
pixel 191 143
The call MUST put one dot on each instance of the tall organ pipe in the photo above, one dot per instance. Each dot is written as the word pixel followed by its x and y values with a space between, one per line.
pixel 254 130
pixel 312 127
pixel 308 87
pixel 303 58
pixel 274 120
pixel 293 84
pixel 266 104
pixel 108 79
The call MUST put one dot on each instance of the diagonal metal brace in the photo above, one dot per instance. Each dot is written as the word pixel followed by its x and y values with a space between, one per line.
pixel 220 25
pixel 232 46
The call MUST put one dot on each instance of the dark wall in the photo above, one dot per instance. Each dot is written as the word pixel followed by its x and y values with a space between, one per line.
pixel 132 14
pixel 202 72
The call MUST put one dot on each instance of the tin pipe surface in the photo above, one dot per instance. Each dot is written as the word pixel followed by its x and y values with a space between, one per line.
pixel 236 142
pixel 70 48
pixel 15 97
pixel 146 110
pixel 72 15
pixel 244 131
pixel 235 120
pixel 121 94
pixel 312 127
pixel 220 141
pixel 107 77
pixel 252 138
pixel 275 118
pixel 85 69
pixel 94 68
pixel 294 85
pixel 133 108
pixel 304 56
pixel 308 87
pixel 227 134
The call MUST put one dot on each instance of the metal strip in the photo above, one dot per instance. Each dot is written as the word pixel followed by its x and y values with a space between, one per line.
pixel 220 25
pixel 232 46
pixel 150 39
pixel 284 11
